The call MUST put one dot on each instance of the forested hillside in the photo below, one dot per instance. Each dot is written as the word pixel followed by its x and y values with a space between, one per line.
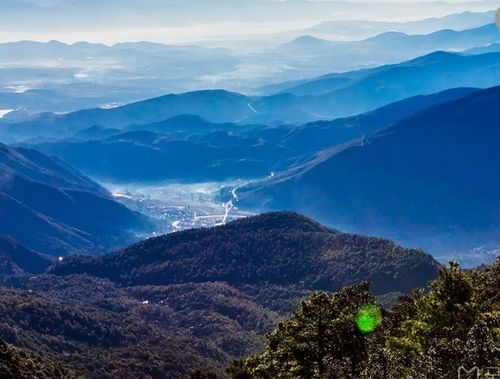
pixel 16 364
pixel 192 300
pixel 284 249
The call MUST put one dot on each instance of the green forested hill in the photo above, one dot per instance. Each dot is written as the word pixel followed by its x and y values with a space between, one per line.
pixel 283 248
pixel 192 300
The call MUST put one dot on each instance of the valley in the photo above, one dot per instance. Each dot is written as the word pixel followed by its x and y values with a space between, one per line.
pixel 180 206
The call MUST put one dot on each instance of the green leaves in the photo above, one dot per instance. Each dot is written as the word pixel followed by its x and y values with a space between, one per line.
pixel 347 335
pixel 319 341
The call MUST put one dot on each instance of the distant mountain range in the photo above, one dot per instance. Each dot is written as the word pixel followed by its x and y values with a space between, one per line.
pixel 353 29
pixel 51 208
pixel 58 77
pixel 430 180
pixel 216 106
pixel 358 91
pixel 146 156
pixel 454 40
pixel 29 50
pixel 436 68
pixel 194 149
pixel 327 97
pixel 313 56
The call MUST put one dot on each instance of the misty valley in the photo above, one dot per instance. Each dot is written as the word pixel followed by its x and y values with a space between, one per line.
pixel 180 206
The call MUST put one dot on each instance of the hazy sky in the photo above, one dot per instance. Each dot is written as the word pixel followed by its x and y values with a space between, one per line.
pixel 183 21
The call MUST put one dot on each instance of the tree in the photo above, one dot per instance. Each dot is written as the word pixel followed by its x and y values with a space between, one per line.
pixel 321 340
pixel 452 327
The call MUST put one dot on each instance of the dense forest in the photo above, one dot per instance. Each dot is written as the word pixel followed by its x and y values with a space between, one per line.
pixel 348 335
pixel 281 248
pixel 17 364
pixel 102 331
pixel 198 299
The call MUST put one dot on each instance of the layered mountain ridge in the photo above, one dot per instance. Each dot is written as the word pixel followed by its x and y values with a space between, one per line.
pixel 52 208
pixel 336 95
pixel 433 174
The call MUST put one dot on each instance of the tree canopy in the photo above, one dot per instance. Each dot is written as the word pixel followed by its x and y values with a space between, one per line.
pixel 428 335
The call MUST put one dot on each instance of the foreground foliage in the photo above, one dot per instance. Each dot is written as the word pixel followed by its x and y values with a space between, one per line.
pixel 428 335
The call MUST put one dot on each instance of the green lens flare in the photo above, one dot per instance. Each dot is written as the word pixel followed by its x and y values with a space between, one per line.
pixel 368 318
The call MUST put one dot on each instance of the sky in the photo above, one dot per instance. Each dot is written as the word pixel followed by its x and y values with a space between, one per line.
pixel 190 21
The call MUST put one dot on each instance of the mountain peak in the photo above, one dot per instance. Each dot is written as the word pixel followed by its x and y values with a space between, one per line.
pixel 434 57
pixel 282 248
pixel 306 41
pixel 285 220
pixel 387 36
